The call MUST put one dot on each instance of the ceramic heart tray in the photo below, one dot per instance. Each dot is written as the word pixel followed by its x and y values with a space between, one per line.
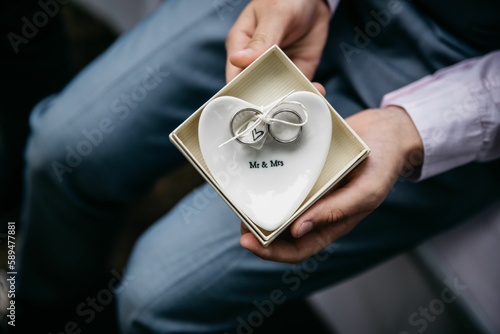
pixel 266 177
pixel 273 176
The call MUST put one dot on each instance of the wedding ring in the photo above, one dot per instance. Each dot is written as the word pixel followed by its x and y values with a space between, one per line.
pixel 242 120
pixel 285 133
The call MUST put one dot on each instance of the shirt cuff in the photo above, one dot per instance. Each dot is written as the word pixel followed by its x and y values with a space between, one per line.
pixel 457 113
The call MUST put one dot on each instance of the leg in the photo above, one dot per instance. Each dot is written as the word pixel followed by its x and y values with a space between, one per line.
pixel 188 272
pixel 24 82
pixel 103 141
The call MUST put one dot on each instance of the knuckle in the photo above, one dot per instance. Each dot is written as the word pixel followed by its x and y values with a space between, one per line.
pixel 260 39
pixel 375 197
pixel 339 221
pixel 335 215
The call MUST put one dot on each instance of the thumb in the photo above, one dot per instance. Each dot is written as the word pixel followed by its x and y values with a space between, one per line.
pixel 256 47
pixel 336 211
pixel 267 32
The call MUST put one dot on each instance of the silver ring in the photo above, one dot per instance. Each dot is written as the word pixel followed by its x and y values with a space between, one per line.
pixel 283 133
pixel 245 116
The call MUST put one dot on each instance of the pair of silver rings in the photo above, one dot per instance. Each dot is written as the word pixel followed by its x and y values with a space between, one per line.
pixel 279 130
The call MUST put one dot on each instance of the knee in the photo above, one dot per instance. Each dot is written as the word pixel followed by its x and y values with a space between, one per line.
pixel 60 144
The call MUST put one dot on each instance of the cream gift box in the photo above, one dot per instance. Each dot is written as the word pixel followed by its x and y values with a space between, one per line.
pixel 268 79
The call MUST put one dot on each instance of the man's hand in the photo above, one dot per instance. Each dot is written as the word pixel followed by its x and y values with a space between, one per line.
pixel 395 145
pixel 299 27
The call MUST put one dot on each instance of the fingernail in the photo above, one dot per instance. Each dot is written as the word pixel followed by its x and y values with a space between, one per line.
pixel 245 52
pixel 306 227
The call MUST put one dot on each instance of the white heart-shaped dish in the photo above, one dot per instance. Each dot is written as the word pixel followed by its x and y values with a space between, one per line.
pixel 270 183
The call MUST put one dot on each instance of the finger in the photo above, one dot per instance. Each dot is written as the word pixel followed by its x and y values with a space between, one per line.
pixel 330 210
pixel 244 229
pixel 337 208
pixel 250 37
pixel 283 250
pixel 231 71
pixel 307 64
pixel 268 31
pixel 250 242
pixel 320 88
pixel 237 39
pixel 306 52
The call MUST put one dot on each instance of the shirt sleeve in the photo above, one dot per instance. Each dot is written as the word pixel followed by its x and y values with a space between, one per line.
pixel 457 113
